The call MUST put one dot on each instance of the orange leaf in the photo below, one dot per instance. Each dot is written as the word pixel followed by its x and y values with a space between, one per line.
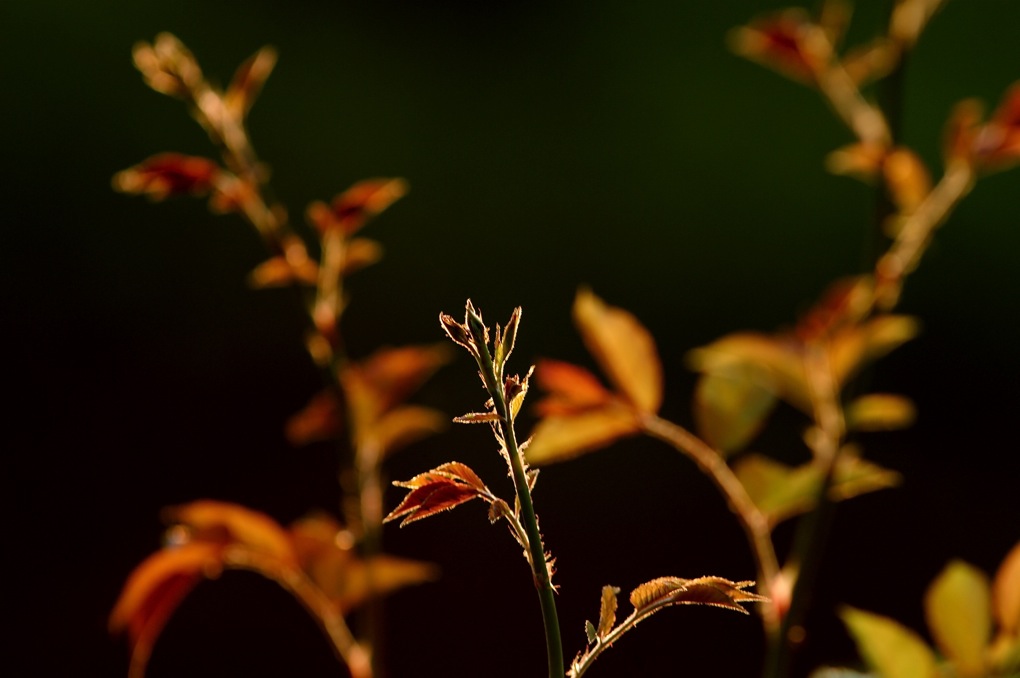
pixel 321 419
pixel 560 438
pixel 404 425
pixel 854 346
pixel 248 81
pixel 1006 593
pixel 450 471
pixel 572 389
pixel 997 145
pixel 714 591
pixel 278 272
pixel 623 348
pixel 906 178
pixel 351 209
pixel 225 523
pixel 154 590
pixel 377 383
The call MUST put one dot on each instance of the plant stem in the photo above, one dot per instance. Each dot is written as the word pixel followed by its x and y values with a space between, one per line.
pixel 536 549
pixel 754 522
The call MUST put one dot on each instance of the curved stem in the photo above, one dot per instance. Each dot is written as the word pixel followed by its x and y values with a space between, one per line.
pixel 580 666
pixel 752 520
pixel 347 649
pixel 536 549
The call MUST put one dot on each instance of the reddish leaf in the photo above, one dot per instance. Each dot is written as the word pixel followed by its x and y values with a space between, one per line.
pixel 279 272
pixel 787 42
pixel 623 348
pixel 430 499
pixel 168 174
pixel 997 145
pixel 351 209
pixel 450 471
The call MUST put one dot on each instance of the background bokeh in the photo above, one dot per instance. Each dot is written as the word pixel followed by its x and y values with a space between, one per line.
pixel 547 145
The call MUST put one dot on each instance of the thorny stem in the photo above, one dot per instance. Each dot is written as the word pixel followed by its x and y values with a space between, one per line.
pixel 536 549
pixel 752 520
pixel 579 667
pixel 347 649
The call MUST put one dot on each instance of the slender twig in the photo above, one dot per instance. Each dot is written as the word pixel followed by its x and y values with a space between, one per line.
pixel 579 668
pixel 752 520
pixel 325 612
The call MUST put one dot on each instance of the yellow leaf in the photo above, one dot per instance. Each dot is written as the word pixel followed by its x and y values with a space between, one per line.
pixel 854 346
pixel 891 649
pixel 623 348
pixel 607 611
pixel 880 412
pixel 731 411
pixel 958 608
pixel 560 438
pixel 1006 593
pixel 773 363
pixel 404 425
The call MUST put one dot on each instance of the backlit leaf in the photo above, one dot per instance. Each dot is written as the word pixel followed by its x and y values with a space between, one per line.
pixel 450 471
pixel 591 632
pixel 906 178
pixel 231 523
pixel 1006 593
pixel 773 363
pixel 379 576
pixel 571 389
pixel 404 425
pixel 154 590
pixel 729 409
pixel 248 81
pixel 557 439
pixel 880 412
pixel 623 348
pixel 783 491
pixel 431 499
pixel 854 346
pixel 891 649
pixel 321 419
pixel 607 611
pixel 958 609
pixel 168 174
pixel 714 591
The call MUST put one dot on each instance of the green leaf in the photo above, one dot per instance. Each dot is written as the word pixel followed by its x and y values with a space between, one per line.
pixel 589 630
pixel 959 612
pixel 731 408
pixel 891 649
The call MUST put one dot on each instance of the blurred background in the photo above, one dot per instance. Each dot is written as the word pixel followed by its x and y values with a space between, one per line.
pixel 547 146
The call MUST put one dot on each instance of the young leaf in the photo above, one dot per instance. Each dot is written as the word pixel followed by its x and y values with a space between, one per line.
pixel 321 419
pixel 248 81
pixel 730 409
pixel 440 489
pixel 857 345
pixel 714 591
pixel 607 611
pixel 477 418
pixel 892 650
pixel 623 348
pixel 589 630
pixel 958 608
pixel 1006 593
pixel 557 439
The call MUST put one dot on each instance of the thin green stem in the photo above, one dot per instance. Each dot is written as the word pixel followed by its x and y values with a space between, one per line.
pixel 536 549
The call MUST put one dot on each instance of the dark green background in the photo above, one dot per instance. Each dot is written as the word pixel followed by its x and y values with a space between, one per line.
pixel 547 145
